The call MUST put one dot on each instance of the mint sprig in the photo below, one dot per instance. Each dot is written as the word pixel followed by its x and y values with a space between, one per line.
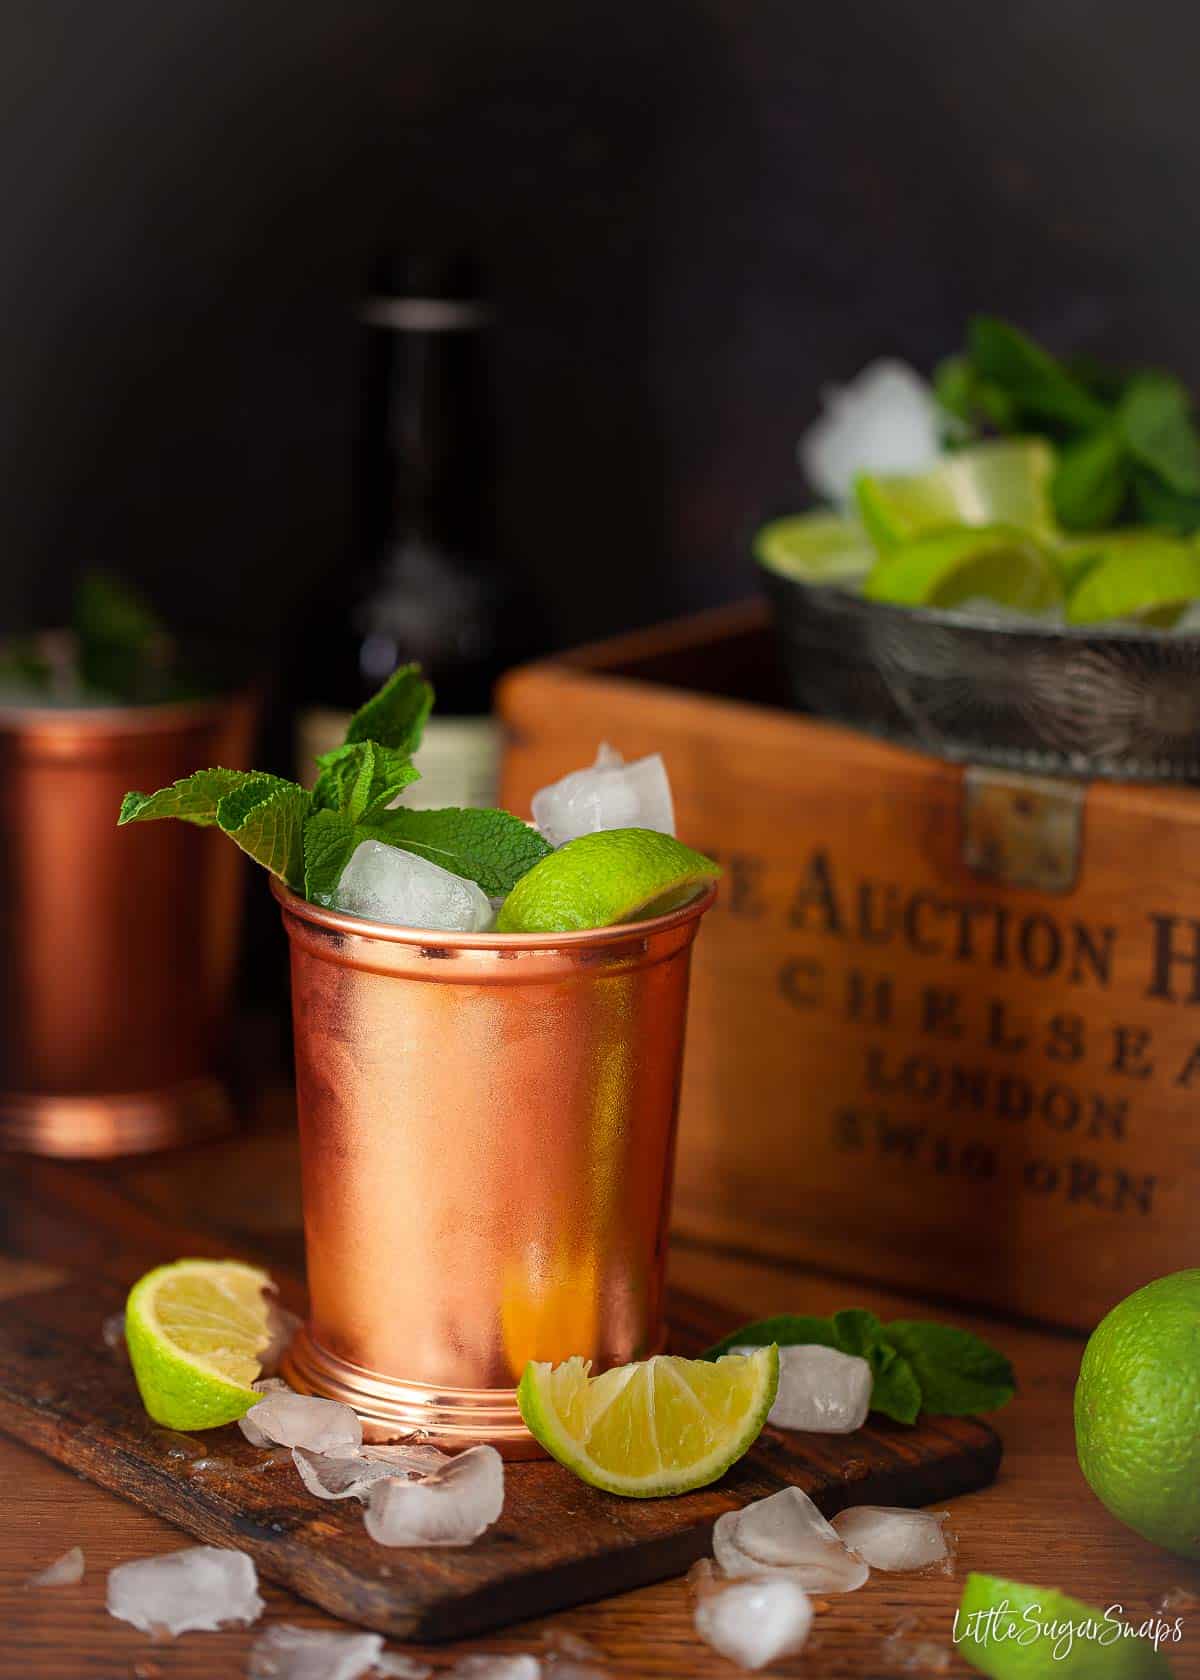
pixel 396 716
pixel 308 839
pixel 1128 442
pixel 263 814
pixel 917 1366
pixel 362 777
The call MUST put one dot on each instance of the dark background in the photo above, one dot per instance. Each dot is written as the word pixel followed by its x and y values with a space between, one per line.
pixel 693 214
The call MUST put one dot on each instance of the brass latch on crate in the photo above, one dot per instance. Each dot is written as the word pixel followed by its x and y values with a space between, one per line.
pixel 1024 830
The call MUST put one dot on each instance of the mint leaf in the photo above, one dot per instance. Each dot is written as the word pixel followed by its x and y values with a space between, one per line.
pixel 1090 481
pixel 957 1372
pixel 120 638
pixel 1037 386
pixel 915 1366
pixel 857 1331
pixel 195 798
pixel 1161 506
pixel 895 1390
pixel 787 1330
pixel 329 843
pixel 1155 417
pixel 265 816
pixel 395 717
pixel 362 777
pixel 492 848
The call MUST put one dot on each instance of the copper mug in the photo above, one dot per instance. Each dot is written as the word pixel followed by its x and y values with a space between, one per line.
pixel 487 1132
pixel 117 947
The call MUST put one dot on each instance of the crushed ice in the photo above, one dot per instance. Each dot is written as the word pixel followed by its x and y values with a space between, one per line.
pixel 350 1475
pixel 886 420
pixel 202 1588
pixel 284 1419
pixel 608 794
pixel 112 1332
pixel 755 1622
pixel 889 1537
pixel 451 1507
pixel 65 1571
pixel 820 1389
pixel 786 1534
pixel 282 1325
pixel 907 1652
pixel 286 1652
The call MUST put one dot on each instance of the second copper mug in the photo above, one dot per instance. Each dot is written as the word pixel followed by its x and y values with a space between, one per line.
pixel 487 1132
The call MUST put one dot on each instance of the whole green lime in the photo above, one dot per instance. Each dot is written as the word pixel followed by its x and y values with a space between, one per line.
pixel 1137 1412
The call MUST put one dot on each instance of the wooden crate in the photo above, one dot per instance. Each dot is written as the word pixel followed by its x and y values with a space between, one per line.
pixel 945 1023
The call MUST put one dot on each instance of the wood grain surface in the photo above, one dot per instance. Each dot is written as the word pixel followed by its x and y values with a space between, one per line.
pixel 1038 1522
pixel 557 1543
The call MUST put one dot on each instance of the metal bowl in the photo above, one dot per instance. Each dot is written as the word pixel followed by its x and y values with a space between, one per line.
pixel 1076 700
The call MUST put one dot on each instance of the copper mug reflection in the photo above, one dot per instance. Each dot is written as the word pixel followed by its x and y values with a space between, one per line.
pixel 117 946
pixel 487 1131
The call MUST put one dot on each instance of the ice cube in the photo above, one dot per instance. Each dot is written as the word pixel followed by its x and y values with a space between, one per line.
pixel 388 884
pixel 484 1667
pixel 451 1507
pixel 202 1587
pixel 755 1622
pixel 890 1537
pixel 253 1434
pixel 397 1667
pixel 295 1653
pixel 65 1571
pixel 820 1389
pixel 906 1652
pixel 786 1534
pixel 568 1657
pixel 113 1333
pixel 350 1475
pixel 282 1325
pixel 609 794
pixel 886 420
pixel 284 1419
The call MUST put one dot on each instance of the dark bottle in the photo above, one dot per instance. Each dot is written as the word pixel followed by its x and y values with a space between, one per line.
pixel 426 584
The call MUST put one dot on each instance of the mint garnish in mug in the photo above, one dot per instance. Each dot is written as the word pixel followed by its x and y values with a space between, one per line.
pixel 349 845
pixel 916 1365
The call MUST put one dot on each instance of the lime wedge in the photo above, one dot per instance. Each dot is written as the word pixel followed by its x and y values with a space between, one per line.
pixel 815 548
pixel 1005 482
pixel 618 875
pixel 1136 575
pixel 946 568
pixel 195 1331
pixel 657 1427
pixel 1017 1632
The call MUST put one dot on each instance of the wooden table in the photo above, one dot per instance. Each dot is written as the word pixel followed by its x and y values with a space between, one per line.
pixel 1038 1523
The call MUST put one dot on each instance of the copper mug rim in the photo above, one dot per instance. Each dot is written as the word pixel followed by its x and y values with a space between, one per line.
pixel 615 933
pixel 122 718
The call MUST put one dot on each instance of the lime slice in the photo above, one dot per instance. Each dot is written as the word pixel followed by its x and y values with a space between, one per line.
pixel 657 1427
pixel 1137 575
pixel 195 1330
pixel 1017 1632
pixel 618 875
pixel 946 568
pixel 1006 482
pixel 815 548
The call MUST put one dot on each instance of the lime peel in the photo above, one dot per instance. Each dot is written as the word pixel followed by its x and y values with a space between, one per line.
pixel 653 1428
pixel 599 880
pixel 195 1330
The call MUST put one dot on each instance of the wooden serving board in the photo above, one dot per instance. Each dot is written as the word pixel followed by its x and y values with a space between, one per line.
pixel 558 1542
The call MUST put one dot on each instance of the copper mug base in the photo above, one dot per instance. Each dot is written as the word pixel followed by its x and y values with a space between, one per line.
pixel 394 1410
pixel 117 1123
